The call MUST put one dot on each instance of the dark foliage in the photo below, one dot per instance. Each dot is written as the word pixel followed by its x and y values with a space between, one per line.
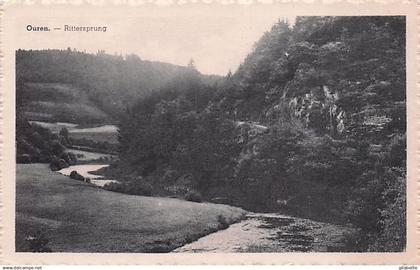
pixel 37 144
pixel 132 187
pixel 100 85
pixel 93 145
pixel 76 176
pixel 57 164
pixel 38 242
pixel 312 123
pixel 223 224
pixel 193 196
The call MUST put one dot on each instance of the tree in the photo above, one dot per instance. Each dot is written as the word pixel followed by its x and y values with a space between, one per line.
pixel 229 74
pixel 315 116
pixel 64 132
pixel 191 64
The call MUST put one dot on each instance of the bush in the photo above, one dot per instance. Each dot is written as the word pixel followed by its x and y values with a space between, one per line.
pixel 223 224
pixel 38 242
pixel 116 187
pixel 160 249
pixel 58 164
pixel 36 143
pixel 69 158
pixel 193 196
pixel 132 188
pixel 139 188
pixel 25 158
pixel 56 147
pixel 76 176
pixel 72 158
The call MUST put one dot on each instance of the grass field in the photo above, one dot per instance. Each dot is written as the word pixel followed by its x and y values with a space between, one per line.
pixel 54 127
pixel 104 133
pixel 59 102
pixel 95 136
pixel 78 217
pixel 90 156
pixel 100 129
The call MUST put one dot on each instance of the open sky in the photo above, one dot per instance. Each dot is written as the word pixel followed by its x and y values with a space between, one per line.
pixel 217 40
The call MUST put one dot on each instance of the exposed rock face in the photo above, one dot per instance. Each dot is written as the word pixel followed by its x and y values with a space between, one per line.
pixel 325 75
pixel 318 109
pixel 311 123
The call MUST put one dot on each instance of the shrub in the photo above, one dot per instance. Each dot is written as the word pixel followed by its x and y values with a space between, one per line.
pixel 161 248
pixel 193 196
pixel 25 158
pixel 76 176
pixel 62 163
pixel 64 132
pixel 116 187
pixel 72 158
pixel 38 242
pixel 223 224
pixel 36 142
pixel 57 164
pixel 56 147
pixel 54 164
pixel 132 188
pixel 139 188
pixel 170 176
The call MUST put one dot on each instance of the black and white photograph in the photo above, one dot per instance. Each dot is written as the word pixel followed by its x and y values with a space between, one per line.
pixel 264 134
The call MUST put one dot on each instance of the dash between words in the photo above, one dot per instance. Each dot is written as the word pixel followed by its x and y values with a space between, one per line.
pixel 67 28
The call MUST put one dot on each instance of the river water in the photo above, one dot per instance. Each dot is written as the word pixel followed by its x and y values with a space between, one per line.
pixel 260 232
pixel 84 170
pixel 257 232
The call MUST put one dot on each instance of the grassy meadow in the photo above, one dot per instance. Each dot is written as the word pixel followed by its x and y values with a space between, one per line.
pixel 95 136
pixel 59 102
pixel 89 157
pixel 79 217
pixel 105 133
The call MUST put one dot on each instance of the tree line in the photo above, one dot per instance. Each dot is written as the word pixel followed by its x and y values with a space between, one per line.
pixel 312 124
pixel 111 82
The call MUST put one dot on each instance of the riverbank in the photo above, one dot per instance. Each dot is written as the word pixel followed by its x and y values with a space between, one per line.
pixel 259 232
pixel 85 171
pixel 79 217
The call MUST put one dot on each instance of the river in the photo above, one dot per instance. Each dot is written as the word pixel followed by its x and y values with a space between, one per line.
pixel 257 232
pixel 84 170
pixel 260 232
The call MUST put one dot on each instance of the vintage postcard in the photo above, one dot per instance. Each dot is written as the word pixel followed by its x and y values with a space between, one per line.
pixel 209 132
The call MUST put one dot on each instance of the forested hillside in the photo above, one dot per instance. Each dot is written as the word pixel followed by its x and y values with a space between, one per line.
pixel 35 144
pixel 77 87
pixel 311 124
